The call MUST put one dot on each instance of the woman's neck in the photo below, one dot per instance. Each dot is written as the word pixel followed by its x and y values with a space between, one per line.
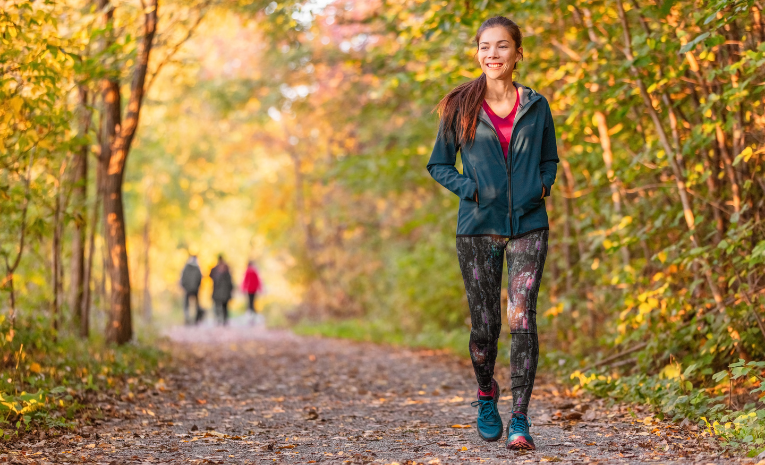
pixel 500 89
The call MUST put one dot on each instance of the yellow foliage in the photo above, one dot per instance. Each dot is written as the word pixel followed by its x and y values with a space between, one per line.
pixel 555 310
pixel 671 371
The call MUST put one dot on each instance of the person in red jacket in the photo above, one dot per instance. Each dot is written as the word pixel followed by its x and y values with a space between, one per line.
pixel 251 285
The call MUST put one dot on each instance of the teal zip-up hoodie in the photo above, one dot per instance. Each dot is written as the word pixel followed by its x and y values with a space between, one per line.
pixel 510 202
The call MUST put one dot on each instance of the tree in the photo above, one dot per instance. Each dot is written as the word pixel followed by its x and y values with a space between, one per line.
pixel 116 138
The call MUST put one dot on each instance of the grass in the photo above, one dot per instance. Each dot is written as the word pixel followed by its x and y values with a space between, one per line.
pixel 383 332
pixel 46 379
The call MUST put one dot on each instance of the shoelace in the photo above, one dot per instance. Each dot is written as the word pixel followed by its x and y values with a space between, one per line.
pixel 485 408
pixel 520 424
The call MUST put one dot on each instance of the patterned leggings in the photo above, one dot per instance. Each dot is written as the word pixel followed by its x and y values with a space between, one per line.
pixel 481 264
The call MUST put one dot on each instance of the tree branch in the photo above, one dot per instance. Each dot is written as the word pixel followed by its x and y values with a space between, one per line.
pixel 177 46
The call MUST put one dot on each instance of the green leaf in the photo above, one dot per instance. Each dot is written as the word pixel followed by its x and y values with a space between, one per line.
pixel 690 45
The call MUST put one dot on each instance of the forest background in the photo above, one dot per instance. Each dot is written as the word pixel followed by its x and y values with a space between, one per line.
pixel 297 134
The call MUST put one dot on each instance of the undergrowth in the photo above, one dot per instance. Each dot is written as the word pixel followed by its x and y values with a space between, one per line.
pixel 675 396
pixel 45 378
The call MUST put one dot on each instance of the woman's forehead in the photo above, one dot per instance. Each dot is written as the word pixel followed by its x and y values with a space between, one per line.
pixel 494 35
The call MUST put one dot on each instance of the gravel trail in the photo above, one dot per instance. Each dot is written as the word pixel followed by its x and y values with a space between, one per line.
pixel 245 395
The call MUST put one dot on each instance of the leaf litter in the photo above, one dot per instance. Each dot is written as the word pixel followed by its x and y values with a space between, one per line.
pixel 279 398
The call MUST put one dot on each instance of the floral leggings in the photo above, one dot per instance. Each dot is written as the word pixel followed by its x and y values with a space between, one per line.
pixel 481 260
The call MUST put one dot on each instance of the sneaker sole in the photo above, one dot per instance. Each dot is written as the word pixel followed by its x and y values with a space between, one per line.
pixel 521 444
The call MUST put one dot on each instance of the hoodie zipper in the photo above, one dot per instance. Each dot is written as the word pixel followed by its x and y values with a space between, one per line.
pixel 522 109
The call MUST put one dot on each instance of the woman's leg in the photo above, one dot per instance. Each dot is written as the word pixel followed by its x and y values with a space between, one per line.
pixel 251 302
pixel 525 263
pixel 481 264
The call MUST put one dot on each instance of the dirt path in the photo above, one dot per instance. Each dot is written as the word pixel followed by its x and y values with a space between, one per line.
pixel 244 395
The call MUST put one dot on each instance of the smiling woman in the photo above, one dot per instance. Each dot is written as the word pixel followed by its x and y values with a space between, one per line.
pixel 506 137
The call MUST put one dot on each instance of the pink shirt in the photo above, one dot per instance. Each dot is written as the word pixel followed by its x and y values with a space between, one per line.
pixel 503 126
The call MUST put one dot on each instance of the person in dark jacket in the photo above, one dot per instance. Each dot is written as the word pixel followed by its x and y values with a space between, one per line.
pixel 191 278
pixel 222 289
pixel 506 138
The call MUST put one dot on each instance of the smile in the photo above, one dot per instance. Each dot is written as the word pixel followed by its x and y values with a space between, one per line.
pixel 494 65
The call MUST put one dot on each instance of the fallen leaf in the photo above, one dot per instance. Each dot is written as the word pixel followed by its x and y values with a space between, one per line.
pixel 460 426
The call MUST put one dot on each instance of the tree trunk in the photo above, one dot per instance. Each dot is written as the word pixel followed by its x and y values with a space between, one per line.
pixel 119 324
pixel 613 182
pixel 79 207
pixel 119 327
pixel 87 280
pixel 115 146
pixel 55 304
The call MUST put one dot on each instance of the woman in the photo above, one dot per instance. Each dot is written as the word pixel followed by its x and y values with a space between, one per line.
pixel 506 137
pixel 251 286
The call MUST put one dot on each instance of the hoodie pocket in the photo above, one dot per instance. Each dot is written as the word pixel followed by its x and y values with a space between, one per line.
pixel 541 187
pixel 478 187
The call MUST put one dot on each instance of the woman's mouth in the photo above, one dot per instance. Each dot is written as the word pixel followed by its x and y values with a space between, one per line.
pixel 494 65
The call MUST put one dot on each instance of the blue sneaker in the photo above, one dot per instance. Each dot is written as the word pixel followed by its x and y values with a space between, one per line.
pixel 518 437
pixel 489 421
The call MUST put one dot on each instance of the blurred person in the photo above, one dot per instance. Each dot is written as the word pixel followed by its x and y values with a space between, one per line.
pixel 191 278
pixel 223 286
pixel 506 137
pixel 251 285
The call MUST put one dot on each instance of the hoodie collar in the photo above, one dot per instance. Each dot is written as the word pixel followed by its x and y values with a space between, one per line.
pixel 526 95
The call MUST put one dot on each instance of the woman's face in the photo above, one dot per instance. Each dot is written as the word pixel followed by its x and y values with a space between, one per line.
pixel 497 53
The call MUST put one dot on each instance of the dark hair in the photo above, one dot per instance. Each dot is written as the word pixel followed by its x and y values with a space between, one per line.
pixel 459 109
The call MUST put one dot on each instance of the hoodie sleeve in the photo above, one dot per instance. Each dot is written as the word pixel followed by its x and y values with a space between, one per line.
pixel 441 167
pixel 548 166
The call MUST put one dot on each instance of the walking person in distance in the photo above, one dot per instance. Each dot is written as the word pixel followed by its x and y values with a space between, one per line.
pixel 223 286
pixel 251 285
pixel 191 278
pixel 506 138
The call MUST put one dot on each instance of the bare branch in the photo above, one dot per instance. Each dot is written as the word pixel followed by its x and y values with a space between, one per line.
pixel 177 46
